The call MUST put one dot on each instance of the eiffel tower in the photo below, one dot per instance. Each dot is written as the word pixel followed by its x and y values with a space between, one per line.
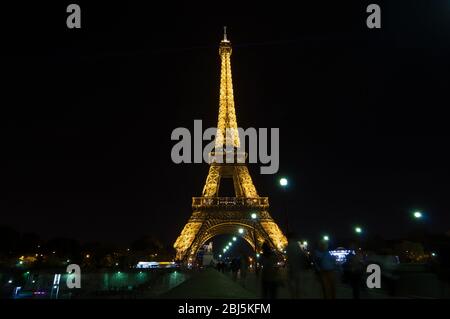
pixel 246 214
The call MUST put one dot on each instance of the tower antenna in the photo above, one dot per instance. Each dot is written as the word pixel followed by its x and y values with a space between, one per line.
pixel 225 33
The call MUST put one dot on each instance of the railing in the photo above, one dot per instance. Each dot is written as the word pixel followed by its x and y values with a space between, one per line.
pixel 261 202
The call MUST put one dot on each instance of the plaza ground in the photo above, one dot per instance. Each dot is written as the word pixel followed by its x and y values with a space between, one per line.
pixel 210 283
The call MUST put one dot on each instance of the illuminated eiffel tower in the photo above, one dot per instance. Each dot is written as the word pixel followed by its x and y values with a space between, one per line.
pixel 213 215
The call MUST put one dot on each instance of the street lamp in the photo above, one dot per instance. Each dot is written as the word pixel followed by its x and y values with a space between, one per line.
pixel 234 238
pixel 326 238
pixel 241 230
pixel 418 215
pixel 254 216
pixel 283 181
pixel 358 230
pixel 284 184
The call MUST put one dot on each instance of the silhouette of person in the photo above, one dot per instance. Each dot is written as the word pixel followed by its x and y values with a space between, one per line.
pixel 235 266
pixel 354 271
pixel 326 266
pixel 243 268
pixel 269 273
pixel 297 263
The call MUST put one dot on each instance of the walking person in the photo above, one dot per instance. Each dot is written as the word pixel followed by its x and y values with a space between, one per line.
pixel 235 266
pixel 326 266
pixel 297 264
pixel 269 274
pixel 354 272
pixel 243 270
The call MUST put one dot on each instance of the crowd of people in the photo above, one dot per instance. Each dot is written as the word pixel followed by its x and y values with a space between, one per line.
pixel 299 264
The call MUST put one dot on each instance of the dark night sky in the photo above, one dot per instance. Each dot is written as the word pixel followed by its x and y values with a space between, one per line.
pixel 87 114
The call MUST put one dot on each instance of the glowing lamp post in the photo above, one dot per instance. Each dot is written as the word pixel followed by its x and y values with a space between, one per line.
pixel 283 182
pixel 417 215
pixel 254 217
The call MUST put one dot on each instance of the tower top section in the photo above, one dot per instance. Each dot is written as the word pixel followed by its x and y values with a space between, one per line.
pixel 225 34
pixel 225 44
pixel 227 132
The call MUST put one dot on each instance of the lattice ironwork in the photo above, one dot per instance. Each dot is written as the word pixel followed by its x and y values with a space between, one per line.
pixel 213 215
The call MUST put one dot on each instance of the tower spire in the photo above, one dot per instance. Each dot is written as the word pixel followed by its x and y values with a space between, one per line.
pixel 225 34
pixel 227 132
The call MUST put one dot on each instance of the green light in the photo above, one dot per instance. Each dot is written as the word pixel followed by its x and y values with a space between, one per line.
pixel 230 243
pixel 358 230
pixel 326 238
pixel 418 215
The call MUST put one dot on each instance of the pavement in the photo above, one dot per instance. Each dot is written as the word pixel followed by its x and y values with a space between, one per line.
pixel 310 287
pixel 209 284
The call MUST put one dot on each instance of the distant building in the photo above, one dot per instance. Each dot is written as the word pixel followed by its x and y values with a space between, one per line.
pixel 340 254
pixel 205 255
